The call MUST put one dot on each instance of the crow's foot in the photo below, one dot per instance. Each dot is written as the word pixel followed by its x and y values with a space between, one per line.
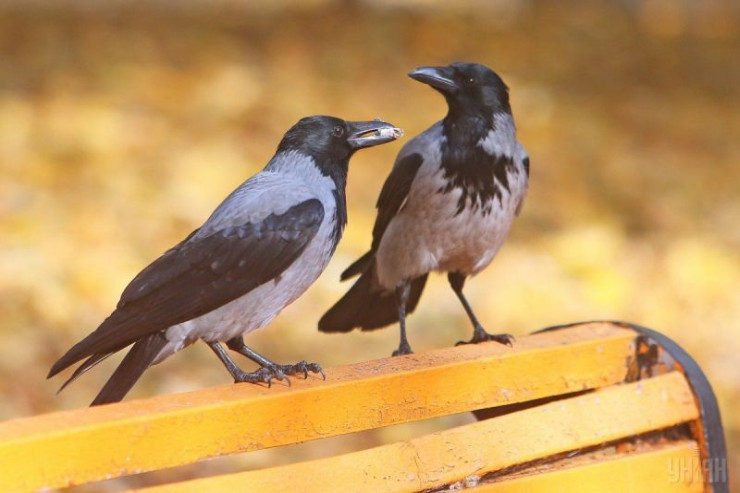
pixel 480 335
pixel 264 375
pixel 302 367
pixel 403 348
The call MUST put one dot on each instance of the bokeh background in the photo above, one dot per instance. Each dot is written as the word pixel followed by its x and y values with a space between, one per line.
pixel 123 124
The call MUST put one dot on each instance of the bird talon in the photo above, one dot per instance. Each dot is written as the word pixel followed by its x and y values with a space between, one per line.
pixel 508 340
pixel 302 367
pixel 316 368
pixel 402 350
pixel 480 335
pixel 265 375
pixel 278 373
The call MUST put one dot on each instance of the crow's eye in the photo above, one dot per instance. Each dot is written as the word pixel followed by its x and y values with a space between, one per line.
pixel 338 131
pixel 471 81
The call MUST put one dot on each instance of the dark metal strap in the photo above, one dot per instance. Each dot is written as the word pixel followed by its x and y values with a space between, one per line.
pixel 715 464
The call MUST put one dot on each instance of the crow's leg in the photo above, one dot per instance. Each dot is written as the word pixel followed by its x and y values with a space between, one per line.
pixel 402 297
pixel 457 281
pixel 237 344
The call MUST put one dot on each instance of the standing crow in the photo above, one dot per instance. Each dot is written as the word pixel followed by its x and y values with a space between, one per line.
pixel 259 251
pixel 447 205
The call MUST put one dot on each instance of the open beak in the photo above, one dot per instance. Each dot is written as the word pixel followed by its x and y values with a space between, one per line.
pixel 372 133
pixel 440 78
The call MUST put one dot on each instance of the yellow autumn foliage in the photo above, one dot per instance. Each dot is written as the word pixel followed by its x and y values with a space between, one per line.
pixel 122 125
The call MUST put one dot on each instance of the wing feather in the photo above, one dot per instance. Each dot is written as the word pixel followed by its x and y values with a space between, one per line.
pixel 394 193
pixel 392 196
pixel 199 275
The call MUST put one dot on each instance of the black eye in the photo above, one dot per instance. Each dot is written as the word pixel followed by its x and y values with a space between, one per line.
pixel 472 81
pixel 338 131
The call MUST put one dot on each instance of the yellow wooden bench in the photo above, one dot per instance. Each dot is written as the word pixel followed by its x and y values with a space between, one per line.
pixel 593 407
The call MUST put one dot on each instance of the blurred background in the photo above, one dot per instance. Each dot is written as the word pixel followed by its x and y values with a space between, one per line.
pixel 123 124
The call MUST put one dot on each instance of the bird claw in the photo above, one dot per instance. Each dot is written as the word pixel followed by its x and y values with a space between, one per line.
pixel 264 375
pixel 480 335
pixel 279 372
pixel 403 348
pixel 302 367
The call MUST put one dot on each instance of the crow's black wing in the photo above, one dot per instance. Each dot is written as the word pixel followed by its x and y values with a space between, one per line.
pixel 392 196
pixel 394 193
pixel 200 275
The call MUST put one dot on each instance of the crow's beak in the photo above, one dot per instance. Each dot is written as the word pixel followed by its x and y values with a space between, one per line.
pixel 440 78
pixel 368 134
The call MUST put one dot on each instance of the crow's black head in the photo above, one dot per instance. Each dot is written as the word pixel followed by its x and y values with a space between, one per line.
pixel 330 139
pixel 330 142
pixel 467 87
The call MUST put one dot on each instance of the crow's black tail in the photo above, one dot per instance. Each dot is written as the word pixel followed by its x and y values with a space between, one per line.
pixel 89 363
pixel 358 266
pixel 367 306
pixel 139 358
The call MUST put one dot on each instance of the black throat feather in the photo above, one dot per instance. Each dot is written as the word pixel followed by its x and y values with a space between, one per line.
pixel 341 217
pixel 466 166
pixel 337 171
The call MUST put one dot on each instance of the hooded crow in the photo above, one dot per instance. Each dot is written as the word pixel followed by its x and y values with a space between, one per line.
pixel 257 253
pixel 447 205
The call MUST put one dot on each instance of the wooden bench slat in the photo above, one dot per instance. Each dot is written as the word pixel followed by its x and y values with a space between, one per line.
pixel 443 457
pixel 79 446
pixel 668 469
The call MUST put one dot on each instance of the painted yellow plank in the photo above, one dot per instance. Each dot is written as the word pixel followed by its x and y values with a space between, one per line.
pixel 670 469
pixel 85 445
pixel 477 448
